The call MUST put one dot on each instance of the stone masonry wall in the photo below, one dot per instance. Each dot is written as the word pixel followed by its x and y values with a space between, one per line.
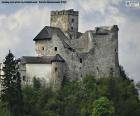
pixel 100 58
pixel 67 21
pixel 57 75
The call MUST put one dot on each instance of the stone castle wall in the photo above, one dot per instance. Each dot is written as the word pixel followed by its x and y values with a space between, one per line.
pixel 100 56
pixel 57 75
pixel 95 52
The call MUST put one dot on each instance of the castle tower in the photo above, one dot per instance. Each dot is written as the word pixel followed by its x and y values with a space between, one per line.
pixel 67 21
pixel 57 72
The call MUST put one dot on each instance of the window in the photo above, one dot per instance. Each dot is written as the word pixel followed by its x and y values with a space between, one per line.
pixel 55 48
pixel 55 69
pixel 71 28
pixel 97 68
pixel 42 48
pixel 23 78
pixel 111 71
pixel 80 60
pixel 72 20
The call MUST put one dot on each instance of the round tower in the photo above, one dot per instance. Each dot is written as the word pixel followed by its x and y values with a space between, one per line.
pixel 57 72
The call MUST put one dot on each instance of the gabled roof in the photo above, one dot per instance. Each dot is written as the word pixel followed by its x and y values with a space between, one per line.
pixel 40 60
pixel 46 33
pixel 58 58
pixel 36 60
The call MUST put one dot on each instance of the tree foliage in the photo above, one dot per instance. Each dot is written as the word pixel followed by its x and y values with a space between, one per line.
pixel 109 96
pixel 103 107
pixel 11 94
pixel 77 98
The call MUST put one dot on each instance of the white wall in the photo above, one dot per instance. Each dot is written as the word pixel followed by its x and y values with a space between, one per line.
pixel 1 73
pixel 1 66
pixel 41 71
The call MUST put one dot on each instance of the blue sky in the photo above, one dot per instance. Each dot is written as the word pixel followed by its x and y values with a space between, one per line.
pixel 20 23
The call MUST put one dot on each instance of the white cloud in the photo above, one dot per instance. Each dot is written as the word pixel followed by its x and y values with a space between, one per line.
pixel 18 29
pixel 129 43
pixel 93 5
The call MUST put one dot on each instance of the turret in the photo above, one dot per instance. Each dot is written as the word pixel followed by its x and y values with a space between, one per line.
pixel 57 72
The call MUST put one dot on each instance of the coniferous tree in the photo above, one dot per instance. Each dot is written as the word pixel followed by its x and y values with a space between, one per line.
pixel 11 93
pixel 18 96
pixel 9 70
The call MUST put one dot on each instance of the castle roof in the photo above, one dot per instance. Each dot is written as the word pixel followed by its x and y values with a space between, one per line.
pixel 41 59
pixel 47 32
pixel 58 58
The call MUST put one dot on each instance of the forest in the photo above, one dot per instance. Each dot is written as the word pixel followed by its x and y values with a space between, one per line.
pixel 108 96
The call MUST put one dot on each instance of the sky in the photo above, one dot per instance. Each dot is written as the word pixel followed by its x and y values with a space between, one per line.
pixel 20 23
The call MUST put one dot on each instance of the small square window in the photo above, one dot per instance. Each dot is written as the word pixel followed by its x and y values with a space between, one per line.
pixel 42 48
pixel 55 69
pixel 23 78
pixel 71 28
pixel 55 48
pixel 80 60
pixel 72 20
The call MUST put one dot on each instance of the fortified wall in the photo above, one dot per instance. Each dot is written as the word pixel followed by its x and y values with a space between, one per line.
pixel 62 52
pixel 94 52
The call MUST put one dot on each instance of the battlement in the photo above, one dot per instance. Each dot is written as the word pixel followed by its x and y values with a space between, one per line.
pixel 103 30
pixel 65 12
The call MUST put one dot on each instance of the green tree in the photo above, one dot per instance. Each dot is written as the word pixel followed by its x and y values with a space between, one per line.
pixel 3 110
pixel 18 96
pixel 36 83
pixel 30 99
pixel 103 107
pixel 138 85
pixel 11 93
pixel 123 73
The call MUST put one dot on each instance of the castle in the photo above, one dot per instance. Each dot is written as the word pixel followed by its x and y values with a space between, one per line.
pixel 64 53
